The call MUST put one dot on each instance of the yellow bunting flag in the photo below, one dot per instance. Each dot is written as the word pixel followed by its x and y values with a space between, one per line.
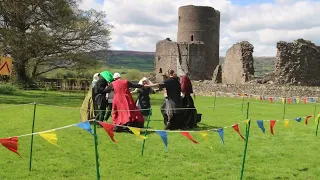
pixel 247 121
pixel 282 100
pixel 50 136
pixel 286 123
pixel 136 131
pixel 298 100
pixel 317 119
pixel 204 134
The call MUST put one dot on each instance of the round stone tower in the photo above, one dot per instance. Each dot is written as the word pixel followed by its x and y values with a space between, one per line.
pixel 201 23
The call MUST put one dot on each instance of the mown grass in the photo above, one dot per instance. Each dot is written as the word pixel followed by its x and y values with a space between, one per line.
pixel 291 153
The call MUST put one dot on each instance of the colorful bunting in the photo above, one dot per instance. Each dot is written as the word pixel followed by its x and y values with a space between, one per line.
pixel 247 122
pixel 272 123
pixel 282 100
pixel 186 134
pixel 305 100
pixel 294 101
pixel 271 99
pixel 317 119
pixel 220 131
pixel 50 136
pixel 286 123
pixel 164 137
pixel 289 100
pixel 11 144
pixel 298 100
pixel 261 126
pixel 86 126
pixel 109 129
pixel 298 119
pixel 307 119
pixel 136 131
pixel 236 128
pixel 204 134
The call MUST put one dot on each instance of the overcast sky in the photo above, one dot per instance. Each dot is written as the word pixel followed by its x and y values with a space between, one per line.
pixel 139 24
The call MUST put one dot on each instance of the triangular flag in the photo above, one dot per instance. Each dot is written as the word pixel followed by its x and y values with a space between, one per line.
pixel 11 144
pixel 236 128
pixel 220 131
pixel 298 119
pixel 289 100
pixel 50 136
pixel 294 101
pixel 298 100
pixel 282 100
pixel 186 134
pixel 260 98
pixel 272 123
pixel 305 100
pixel 204 134
pixel 136 131
pixel 260 124
pixel 271 99
pixel 286 123
pixel 317 119
pixel 86 126
pixel 109 129
pixel 307 119
pixel 164 137
pixel 247 121
pixel 311 99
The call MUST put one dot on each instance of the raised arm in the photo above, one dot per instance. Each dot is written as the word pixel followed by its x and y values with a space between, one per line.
pixel 109 88
pixel 132 85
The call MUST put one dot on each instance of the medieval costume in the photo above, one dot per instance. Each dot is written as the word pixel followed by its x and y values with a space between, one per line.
pixel 170 108
pixel 143 101
pixel 89 106
pixel 190 113
pixel 100 94
pixel 124 108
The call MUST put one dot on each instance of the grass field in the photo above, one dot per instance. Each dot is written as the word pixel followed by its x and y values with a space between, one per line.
pixel 291 153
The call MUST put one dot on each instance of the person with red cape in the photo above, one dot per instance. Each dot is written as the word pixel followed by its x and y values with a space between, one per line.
pixel 125 112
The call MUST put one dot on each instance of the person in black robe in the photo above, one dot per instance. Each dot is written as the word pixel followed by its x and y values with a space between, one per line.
pixel 100 98
pixel 190 112
pixel 109 104
pixel 171 108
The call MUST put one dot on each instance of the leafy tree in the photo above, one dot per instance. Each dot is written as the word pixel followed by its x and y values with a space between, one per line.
pixel 43 35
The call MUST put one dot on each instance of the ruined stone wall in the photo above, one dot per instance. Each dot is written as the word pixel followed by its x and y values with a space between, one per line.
pixel 190 57
pixel 297 63
pixel 208 88
pixel 238 66
pixel 201 23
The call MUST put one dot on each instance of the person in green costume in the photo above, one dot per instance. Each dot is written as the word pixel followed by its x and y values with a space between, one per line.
pixel 105 78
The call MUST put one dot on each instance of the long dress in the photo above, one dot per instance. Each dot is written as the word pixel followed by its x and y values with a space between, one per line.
pixel 144 100
pixel 190 113
pixel 124 108
pixel 87 107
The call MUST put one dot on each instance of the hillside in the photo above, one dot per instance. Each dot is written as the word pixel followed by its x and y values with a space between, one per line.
pixel 144 61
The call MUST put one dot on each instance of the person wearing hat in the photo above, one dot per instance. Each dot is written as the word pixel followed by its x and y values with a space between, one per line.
pixel 105 78
pixel 125 112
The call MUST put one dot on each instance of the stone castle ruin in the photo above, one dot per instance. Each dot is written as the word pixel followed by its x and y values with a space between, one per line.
pixel 196 52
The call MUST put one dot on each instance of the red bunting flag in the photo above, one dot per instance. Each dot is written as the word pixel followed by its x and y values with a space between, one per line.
pixel 307 119
pixel 272 123
pixel 260 98
pixel 109 129
pixel 271 99
pixel 236 128
pixel 289 100
pixel 186 134
pixel 11 144
pixel 305 100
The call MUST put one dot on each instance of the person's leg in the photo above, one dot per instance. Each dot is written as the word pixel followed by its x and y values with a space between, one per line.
pixel 109 111
pixel 103 107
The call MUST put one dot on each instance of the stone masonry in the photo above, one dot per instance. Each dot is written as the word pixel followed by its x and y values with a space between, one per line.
pixel 297 63
pixel 181 57
pixel 238 66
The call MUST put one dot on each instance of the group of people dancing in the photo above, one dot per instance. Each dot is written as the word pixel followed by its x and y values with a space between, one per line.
pixel 111 96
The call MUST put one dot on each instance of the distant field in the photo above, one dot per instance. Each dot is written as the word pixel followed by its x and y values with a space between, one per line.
pixel 291 153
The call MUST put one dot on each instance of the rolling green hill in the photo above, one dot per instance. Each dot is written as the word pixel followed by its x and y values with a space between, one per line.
pixel 144 61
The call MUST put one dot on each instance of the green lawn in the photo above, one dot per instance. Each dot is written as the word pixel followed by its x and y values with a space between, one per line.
pixel 291 153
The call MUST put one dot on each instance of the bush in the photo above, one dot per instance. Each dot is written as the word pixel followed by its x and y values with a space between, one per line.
pixel 8 89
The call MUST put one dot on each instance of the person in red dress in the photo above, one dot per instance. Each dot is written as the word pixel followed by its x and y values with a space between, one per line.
pixel 124 112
